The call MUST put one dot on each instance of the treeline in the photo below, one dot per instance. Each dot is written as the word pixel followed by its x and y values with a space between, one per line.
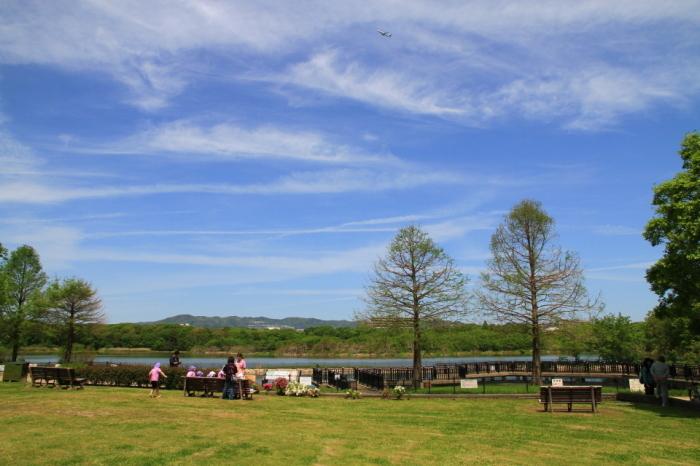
pixel 611 337
pixel 315 341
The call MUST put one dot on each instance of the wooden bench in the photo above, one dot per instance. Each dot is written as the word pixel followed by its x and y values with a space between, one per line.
pixel 209 385
pixel 64 377
pixel 592 394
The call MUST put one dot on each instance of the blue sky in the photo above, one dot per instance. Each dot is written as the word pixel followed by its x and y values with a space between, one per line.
pixel 255 158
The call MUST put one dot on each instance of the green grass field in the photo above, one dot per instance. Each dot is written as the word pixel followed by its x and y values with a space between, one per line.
pixel 125 426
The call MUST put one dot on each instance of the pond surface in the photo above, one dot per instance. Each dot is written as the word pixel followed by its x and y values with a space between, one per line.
pixel 253 362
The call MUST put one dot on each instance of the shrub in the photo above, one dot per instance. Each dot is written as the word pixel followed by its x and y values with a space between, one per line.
pixel 399 391
pixel 130 376
pixel 353 395
pixel 281 385
pixel 295 389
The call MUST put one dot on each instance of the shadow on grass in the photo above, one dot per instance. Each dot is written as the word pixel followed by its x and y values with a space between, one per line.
pixel 669 411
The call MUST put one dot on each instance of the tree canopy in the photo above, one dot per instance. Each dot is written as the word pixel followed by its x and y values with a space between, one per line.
pixel 530 280
pixel 71 304
pixel 24 282
pixel 415 284
pixel 675 278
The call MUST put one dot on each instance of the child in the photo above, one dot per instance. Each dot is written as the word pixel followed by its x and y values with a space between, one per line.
pixel 154 377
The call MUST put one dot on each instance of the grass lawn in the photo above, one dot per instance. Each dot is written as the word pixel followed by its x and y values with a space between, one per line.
pixel 124 426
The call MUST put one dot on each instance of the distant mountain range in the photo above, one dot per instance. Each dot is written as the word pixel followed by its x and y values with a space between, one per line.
pixel 252 322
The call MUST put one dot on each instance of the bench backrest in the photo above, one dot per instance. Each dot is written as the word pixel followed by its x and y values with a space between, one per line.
pixel 210 384
pixel 571 394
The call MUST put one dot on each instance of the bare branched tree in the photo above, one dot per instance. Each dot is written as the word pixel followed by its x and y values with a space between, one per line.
pixel 530 280
pixel 415 285
pixel 71 304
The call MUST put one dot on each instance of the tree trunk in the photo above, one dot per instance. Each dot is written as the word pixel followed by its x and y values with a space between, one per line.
pixel 15 351
pixel 417 359
pixel 70 337
pixel 536 366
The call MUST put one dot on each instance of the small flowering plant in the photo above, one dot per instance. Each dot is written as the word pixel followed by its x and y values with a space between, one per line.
pixel 267 387
pixel 399 391
pixel 281 385
pixel 295 389
pixel 353 395
pixel 312 391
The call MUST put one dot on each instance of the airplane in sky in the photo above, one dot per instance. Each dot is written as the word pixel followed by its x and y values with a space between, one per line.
pixel 384 33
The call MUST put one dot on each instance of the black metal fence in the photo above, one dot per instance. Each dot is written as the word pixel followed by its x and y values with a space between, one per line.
pixel 387 377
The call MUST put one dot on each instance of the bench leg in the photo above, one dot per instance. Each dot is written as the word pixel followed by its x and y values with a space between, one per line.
pixel 570 407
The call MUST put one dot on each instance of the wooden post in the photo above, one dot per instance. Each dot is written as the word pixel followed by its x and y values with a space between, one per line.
pixel 549 399
pixel 593 404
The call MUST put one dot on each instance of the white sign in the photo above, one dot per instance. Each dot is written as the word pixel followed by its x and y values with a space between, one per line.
pixel 468 383
pixel 557 382
pixel 2 368
pixel 305 381
pixel 635 386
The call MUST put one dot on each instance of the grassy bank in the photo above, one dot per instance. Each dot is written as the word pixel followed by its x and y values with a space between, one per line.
pixel 122 426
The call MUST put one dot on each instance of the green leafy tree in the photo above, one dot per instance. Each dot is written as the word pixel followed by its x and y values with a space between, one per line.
pixel 617 338
pixel 675 278
pixel 530 280
pixel 24 281
pixel 415 285
pixel 71 305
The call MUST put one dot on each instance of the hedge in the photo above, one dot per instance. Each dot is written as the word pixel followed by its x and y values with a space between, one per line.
pixel 131 376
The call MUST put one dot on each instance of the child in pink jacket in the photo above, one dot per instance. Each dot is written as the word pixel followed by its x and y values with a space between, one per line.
pixel 154 377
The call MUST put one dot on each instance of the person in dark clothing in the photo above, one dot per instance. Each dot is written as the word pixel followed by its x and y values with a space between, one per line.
pixel 230 370
pixel 645 376
pixel 175 359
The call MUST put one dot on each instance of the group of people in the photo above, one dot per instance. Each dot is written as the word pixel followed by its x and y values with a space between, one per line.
pixel 654 375
pixel 232 372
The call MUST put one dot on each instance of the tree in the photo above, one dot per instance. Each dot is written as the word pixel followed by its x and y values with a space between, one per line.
pixel 72 304
pixel 675 278
pixel 415 285
pixel 530 280
pixel 24 282
pixel 617 338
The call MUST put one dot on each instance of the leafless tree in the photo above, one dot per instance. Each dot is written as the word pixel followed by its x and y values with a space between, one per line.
pixel 530 280
pixel 415 285
pixel 71 304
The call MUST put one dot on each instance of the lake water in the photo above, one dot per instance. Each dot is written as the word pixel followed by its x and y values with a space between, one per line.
pixel 253 362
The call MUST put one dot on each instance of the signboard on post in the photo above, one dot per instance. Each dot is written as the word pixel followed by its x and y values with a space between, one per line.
pixel 468 383
pixel 305 380
pixel 635 386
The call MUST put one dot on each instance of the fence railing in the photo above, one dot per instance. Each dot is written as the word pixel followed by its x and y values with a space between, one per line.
pixel 387 377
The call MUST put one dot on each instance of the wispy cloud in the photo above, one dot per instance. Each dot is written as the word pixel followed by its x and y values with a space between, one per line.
pixel 631 266
pixel 331 74
pixel 475 62
pixel 229 141
pixel 616 230
pixel 299 183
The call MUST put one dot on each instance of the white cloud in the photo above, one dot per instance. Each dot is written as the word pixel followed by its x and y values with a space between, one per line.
pixel 57 245
pixel 232 142
pixel 586 64
pixel 616 230
pixel 313 182
pixel 631 266
pixel 328 73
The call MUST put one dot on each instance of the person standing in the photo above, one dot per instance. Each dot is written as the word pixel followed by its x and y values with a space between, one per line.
pixel 645 376
pixel 154 378
pixel 230 371
pixel 661 372
pixel 175 359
